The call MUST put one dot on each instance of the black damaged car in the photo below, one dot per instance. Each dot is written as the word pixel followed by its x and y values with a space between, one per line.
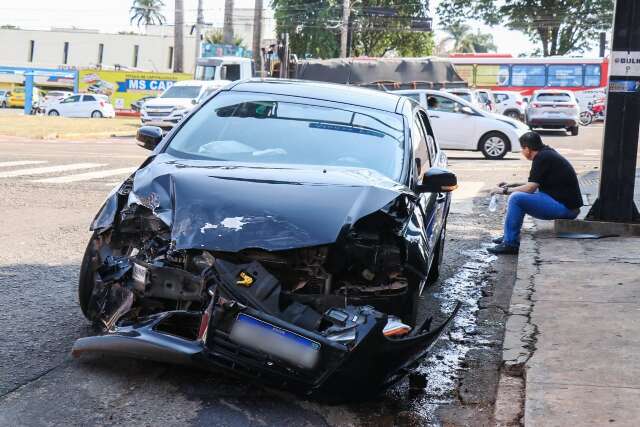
pixel 283 233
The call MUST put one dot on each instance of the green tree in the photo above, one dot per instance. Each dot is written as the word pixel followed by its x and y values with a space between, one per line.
pixel 217 37
pixel 147 12
pixel 464 41
pixel 378 27
pixel 559 26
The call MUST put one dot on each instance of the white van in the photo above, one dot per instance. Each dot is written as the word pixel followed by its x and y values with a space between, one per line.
pixel 224 68
pixel 177 101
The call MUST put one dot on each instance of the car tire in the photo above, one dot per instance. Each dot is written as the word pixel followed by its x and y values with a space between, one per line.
pixel 53 113
pixel 96 115
pixel 87 281
pixel 494 145
pixel 574 130
pixel 438 253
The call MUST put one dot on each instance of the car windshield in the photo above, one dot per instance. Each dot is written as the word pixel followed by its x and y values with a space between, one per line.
pixel 181 92
pixel 464 95
pixel 554 97
pixel 265 128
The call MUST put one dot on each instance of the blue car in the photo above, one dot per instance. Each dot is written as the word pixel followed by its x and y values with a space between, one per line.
pixel 282 232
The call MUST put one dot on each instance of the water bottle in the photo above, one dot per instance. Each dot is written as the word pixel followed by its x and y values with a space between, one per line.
pixel 493 203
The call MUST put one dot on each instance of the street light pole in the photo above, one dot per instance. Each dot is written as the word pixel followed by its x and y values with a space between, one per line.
pixel 344 34
pixel 620 146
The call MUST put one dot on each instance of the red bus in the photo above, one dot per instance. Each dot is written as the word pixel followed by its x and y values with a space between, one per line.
pixel 586 77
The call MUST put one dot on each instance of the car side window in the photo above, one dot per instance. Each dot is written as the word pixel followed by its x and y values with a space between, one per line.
pixel 501 97
pixel 88 98
pixel 431 142
pixel 419 146
pixel 440 103
pixel 70 99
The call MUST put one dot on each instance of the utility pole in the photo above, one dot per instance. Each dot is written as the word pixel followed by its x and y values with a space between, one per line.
pixel 257 34
pixel 344 34
pixel 620 146
pixel 178 38
pixel 199 23
pixel 603 43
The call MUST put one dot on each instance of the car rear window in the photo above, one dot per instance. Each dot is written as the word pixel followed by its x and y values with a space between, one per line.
pixel 554 97
pixel 275 129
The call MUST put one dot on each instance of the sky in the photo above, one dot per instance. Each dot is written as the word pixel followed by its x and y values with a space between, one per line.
pixel 113 15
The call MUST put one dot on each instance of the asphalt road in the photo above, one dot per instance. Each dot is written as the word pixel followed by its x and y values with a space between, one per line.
pixel 49 192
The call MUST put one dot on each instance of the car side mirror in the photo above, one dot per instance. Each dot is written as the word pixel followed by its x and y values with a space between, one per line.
pixel 149 136
pixel 467 110
pixel 437 180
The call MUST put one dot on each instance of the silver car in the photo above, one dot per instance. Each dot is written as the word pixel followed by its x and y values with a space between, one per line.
pixel 553 109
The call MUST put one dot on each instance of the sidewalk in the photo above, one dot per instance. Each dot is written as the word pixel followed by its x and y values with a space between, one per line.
pixel 573 332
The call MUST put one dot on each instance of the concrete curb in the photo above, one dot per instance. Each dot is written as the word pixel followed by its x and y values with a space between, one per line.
pixel 520 334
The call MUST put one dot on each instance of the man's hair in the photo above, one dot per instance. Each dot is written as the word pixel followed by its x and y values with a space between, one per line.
pixel 532 141
pixel 432 101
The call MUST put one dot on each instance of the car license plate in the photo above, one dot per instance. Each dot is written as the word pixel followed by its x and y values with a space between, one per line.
pixel 139 274
pixel 286 345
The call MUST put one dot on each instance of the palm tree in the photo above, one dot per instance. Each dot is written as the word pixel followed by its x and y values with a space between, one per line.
pixel 464 41
pixel 147 12
pixel 178 28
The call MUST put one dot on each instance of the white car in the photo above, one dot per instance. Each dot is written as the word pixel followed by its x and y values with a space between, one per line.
pixel 459 125
pixel 510 104
pixel 54 96
pixel 468 95
pixel 177 101
pixel 81 105
pixel 4 94
pixel 553 109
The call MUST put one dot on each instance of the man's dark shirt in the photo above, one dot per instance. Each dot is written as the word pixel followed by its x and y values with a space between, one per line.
pixel 556 177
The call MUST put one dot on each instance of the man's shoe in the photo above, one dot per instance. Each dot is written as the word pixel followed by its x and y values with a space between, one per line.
pixel 503 249
pixel 498 240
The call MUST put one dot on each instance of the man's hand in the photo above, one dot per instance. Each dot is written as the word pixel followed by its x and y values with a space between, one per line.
pixel 497 190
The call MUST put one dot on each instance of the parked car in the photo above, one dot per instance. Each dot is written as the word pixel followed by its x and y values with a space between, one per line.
pixel 81 105
pixel 16 97
pixel 4 94
pixel 510 104
pixel 176 102
pixel 554 109
pixel 137 105
pixel 281 233
pixel 460 125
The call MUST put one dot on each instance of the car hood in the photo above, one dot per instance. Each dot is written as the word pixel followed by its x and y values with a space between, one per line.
pixel 168 102
pixel 230 207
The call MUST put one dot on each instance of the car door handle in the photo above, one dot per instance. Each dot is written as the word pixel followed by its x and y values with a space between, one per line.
pixel 434 117
pixel 441 197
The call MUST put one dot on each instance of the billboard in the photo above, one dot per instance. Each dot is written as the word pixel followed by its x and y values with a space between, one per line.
pixel 126 87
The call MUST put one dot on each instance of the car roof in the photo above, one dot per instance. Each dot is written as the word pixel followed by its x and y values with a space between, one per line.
pixel 552 91
pixel 205 83
pixel 344 94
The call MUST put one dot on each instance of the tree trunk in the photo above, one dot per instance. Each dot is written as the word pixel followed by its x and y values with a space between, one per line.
pixel 178 40
pixel 544 37
pixel 257 34
pixel 227 29
pixel 554 42
pixel 199 22
pixel 344 33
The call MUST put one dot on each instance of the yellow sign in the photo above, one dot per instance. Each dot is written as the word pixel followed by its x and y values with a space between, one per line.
pixel 125 87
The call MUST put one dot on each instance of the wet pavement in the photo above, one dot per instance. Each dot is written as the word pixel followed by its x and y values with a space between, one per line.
pixel 42 238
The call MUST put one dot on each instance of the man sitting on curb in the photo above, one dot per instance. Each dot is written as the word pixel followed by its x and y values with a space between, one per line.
pixel 551 193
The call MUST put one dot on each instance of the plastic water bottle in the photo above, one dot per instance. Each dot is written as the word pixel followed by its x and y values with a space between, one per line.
pixel 493 203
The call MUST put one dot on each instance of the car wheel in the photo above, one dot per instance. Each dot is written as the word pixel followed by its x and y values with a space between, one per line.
pixel 96 114
pixel 87 281
pixel 438 253
pixel 586 118
pixel 494 145
pixel 53 113
pixel 574 130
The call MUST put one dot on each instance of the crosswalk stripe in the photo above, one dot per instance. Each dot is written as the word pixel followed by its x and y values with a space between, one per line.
pixel 21 163
pixel 49 169
pixel 86 176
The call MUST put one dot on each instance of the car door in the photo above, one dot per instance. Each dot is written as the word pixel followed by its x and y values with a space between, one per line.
pixel 453 128
pixel 88 105
pixel 68 106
